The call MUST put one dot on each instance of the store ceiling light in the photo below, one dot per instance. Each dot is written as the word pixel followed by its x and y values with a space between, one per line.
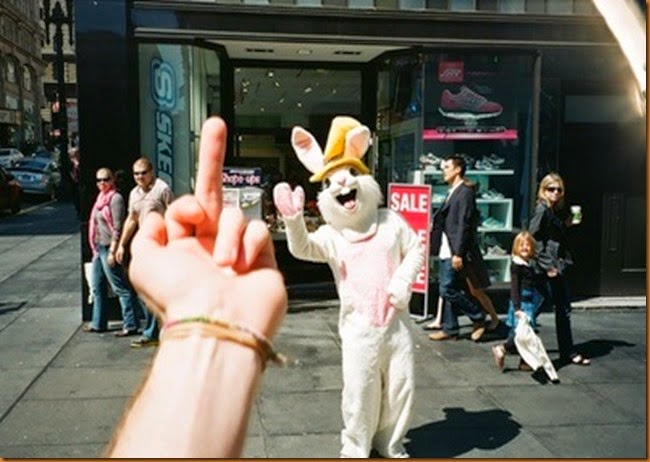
pixel 260 50
pixel 347 52
pixel 304 51
pixel 270 74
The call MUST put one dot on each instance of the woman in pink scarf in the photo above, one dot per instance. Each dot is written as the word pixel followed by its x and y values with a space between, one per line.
pixel 104 229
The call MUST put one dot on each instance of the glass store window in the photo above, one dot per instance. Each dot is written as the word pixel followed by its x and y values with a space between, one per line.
pixel 475 104
pixel 178 88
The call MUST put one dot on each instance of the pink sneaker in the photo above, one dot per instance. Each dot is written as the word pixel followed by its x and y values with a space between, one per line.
pixel 467 104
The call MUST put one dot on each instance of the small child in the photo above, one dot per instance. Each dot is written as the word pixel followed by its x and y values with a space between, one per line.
pixel 525 297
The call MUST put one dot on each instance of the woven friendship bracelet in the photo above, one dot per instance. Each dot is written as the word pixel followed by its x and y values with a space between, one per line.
pixel 181 328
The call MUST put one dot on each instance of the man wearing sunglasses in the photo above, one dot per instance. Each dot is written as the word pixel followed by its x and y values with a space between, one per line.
pixel 150 194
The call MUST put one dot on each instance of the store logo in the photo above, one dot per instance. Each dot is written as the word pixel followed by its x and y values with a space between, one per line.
pixel 450 71
pixel 163 84
pixel 163 93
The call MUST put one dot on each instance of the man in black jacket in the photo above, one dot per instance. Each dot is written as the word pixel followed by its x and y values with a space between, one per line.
pixel 454 226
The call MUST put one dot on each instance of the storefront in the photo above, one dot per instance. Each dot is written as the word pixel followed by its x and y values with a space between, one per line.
pixel 158 69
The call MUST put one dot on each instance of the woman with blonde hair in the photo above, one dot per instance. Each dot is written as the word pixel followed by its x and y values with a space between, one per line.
pixel 104 230
pixel 549 224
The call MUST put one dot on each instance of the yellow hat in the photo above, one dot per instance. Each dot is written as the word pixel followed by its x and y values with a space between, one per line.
pixel 336 150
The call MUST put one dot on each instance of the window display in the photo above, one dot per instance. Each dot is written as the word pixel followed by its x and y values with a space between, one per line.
pixel 477 105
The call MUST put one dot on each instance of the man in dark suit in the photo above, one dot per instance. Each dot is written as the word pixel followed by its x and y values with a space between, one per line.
pixel 454 227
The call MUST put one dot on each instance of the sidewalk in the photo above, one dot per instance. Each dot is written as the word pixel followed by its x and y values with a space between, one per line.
pixel 63 391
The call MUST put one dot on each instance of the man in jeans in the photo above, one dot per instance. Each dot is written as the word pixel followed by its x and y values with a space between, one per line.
pixel 454 227
pixel 150 194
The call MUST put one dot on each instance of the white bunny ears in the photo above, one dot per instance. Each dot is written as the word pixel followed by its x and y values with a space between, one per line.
pixel 347 143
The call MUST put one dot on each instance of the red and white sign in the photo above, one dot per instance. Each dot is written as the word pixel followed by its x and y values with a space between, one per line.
pixel 451 71
pixel 413 202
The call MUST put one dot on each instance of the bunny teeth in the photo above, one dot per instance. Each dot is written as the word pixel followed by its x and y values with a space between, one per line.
pixel 348 200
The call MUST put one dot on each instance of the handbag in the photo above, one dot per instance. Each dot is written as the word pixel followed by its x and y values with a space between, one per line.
pixel 531 349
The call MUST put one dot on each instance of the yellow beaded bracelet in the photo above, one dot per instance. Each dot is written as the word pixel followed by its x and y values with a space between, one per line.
pixel 182 328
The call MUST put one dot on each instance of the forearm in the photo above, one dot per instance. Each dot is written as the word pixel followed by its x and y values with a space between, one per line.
pixel 195 402
pixel 127 231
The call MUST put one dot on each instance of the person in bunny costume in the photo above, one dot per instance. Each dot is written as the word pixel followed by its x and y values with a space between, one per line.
pixel 374 256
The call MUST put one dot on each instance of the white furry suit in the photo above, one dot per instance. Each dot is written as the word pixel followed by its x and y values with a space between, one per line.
pixel 377 347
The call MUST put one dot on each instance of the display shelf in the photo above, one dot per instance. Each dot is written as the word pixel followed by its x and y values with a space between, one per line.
pixel 434 135
pixel 487 257
pixel 433 171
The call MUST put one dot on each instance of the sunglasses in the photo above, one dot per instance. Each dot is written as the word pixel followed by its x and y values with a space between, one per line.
pixel 554 189
pixel 141 173
pixel 103 180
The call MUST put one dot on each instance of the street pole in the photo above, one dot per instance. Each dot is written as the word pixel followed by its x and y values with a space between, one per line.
pixel 58 18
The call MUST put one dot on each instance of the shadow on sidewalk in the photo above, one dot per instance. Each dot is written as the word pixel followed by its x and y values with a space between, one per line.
pixel 462 431
pixel 8 307
pixel 594 349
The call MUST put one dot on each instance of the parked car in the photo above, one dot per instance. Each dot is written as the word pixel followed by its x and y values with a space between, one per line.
pixel 37 175
pixel 10 192
pixel 46 153
pixel 9 156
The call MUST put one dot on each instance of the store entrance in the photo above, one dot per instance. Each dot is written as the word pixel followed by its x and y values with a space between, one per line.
pixel 268 101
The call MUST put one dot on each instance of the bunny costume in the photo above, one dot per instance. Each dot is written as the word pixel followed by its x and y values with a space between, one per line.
pixel 374 256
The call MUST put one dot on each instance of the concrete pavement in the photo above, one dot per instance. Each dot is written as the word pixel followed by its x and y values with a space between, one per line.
pixel 62 391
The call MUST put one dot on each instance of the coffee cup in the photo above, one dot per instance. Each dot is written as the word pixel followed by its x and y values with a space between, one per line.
pixel 576 214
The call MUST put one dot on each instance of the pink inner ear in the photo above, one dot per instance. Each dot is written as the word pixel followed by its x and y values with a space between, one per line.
pixel 302 140
pixel 357 141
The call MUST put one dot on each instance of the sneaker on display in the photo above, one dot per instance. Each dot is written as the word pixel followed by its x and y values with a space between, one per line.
pixel 492 194
pixel 467 104
pixel 496 250
pixel 494 159
pixel 493 223
pixel 485 165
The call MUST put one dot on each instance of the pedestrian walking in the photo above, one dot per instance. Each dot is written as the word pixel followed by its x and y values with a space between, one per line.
pixel 150 194
pixel 455 240
pixel 549 225
pixel 525 297
pixel 104 231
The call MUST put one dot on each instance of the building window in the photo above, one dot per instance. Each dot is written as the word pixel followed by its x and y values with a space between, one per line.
pixel 11 71
pixel 27 78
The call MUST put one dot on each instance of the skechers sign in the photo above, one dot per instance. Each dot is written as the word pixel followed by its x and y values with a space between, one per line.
pixel 163 93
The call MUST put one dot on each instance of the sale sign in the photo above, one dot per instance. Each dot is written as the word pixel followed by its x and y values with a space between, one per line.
pixel 413 202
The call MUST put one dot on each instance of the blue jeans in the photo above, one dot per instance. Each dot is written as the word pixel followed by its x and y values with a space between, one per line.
pixel 101 272
pixel 531 304
pixel 451 283
pixel 151 329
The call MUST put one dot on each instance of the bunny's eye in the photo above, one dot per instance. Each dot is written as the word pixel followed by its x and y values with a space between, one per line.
pixel 327 183
pixel 354 171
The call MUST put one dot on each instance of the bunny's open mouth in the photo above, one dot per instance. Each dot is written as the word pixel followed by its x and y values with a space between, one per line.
pixel 348 200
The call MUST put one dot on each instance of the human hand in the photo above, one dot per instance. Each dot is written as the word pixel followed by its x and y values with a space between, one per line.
pixel 553 272
pixel 119 254
pixel 200 260
pixel 519 314
pixel 111 260
pixel 288 202
pixel 457 262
